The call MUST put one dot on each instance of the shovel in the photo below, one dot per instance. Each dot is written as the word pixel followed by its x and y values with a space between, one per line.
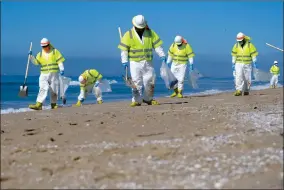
pixel 274 47
pixel 128 81
pixel 24 88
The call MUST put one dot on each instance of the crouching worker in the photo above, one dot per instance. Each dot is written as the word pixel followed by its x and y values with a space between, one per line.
pixel 89 81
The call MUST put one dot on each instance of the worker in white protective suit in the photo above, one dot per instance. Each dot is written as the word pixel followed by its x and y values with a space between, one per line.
pixel 275 71
pixel 243 54
pixel 51 63
pixel 137 47
pixel 180 53
pixel 89 81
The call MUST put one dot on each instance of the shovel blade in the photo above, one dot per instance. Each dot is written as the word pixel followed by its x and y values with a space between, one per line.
pixel 129 82
pixel 23 91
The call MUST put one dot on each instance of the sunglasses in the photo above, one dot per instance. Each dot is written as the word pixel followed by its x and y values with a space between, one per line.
pixel 45 46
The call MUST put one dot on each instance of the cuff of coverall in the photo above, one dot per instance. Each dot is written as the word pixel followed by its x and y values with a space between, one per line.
pixel 124 56
pixel 234 60
pixel 169 60
pixel 254 59
pixel 160 51
pixel 190 60
pixel 61 66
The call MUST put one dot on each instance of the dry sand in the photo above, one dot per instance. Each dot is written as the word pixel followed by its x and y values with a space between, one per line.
pixel 217 141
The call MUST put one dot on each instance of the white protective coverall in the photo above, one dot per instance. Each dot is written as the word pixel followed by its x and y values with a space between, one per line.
pixel 274 80
pixel 179 71
pixel 48 81
pixel 142 73
pixel 242 58
pixel 243 76
pixel 90 88
pixel 275 71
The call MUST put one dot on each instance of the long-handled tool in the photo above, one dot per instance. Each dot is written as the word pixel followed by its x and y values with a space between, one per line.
pixel 128 81
pixel 24 88
pixel 274 47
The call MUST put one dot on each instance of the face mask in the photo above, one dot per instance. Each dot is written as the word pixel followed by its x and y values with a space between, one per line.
pixel 138 30
pixel 241 42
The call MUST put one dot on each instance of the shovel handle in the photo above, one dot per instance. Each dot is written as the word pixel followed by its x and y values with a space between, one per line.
pixel 120 35
pixel 119 31
pixel 126 73
pixel 27 69
pixel 274 47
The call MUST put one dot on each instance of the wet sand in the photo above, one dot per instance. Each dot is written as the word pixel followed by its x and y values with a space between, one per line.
pixel 216 141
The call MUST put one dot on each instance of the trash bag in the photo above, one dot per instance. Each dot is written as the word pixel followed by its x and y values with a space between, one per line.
pixel 261 76
pixel 63 86
pixel 168 77
pixel 198 73
pixel 105 86
pixel 193 78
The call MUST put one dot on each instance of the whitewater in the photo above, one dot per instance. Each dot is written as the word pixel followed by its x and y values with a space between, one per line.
pixel 11 103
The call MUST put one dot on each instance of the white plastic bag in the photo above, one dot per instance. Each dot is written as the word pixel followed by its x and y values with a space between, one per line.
pixel 261 76
pixel 64 84
pixel 105 86
pixel 168 77
pixel 193 78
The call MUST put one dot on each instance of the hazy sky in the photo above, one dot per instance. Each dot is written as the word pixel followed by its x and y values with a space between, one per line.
pixel 89 28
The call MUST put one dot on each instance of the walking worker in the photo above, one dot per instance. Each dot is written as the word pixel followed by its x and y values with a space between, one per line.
pixel 136 47
pixel 180 53
pixel 243 54
pixel 89 81
pixel 275 71
pixel 51 62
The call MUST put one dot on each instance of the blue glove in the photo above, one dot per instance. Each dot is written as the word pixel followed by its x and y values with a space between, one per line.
pixel 233 67
pixel 191 67
pixel 255 65
pixel 125 65
pixel 163 59
pixel 97 84
pixel 61 73
pixel 30 53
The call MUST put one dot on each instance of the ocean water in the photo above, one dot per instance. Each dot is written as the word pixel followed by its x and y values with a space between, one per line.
pixel 10 102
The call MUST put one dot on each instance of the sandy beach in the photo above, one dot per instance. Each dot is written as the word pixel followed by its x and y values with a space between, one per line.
pixel 216 141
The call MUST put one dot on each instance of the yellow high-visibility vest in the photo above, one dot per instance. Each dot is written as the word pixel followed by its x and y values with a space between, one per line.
pixel 244 54
pixel 49 65
pixel 275 70
pixel 136 50
pixel 91 76
pixel 181 54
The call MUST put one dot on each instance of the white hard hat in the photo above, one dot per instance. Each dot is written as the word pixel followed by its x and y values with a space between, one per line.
pixel 240 36
pixel 81 78
pixel 178 40
pixel 44 42
pixel 275 62
pixel 139 21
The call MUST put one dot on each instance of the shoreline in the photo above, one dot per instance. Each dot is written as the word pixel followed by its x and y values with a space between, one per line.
pixel 211 141
pixel 159 96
